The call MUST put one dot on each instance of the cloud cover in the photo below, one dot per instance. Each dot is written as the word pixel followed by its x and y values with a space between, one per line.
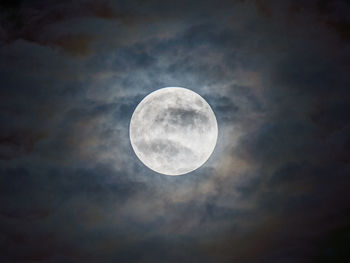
pixel 276 186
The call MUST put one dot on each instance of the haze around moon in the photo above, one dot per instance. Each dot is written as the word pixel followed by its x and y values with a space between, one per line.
pixel 173 131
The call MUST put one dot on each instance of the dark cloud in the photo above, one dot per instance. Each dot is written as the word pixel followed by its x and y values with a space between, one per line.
pixel 274 72
pixel 184 117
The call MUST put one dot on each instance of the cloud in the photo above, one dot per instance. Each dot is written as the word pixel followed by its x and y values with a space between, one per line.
pixel 73 190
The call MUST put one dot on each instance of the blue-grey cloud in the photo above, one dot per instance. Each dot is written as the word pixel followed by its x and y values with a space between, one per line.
pixel 275 74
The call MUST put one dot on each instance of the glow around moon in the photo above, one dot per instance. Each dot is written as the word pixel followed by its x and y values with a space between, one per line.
pixel 173 131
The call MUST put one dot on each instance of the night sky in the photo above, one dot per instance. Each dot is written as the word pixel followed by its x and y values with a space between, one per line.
pixel 276 188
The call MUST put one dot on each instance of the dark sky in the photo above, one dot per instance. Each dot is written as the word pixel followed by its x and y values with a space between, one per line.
pixel 275 190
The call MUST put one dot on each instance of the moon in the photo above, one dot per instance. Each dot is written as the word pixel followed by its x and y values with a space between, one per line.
pixel 173 131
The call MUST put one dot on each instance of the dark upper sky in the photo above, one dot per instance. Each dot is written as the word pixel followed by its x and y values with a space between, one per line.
pixel 276 188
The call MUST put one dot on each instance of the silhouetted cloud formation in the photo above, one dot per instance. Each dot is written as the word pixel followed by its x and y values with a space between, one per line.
pixel 276 74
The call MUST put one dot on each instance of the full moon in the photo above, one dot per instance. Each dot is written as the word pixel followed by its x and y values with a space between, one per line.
pixel 173 131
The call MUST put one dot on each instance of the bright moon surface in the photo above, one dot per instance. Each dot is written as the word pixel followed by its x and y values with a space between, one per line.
pixel 173 131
